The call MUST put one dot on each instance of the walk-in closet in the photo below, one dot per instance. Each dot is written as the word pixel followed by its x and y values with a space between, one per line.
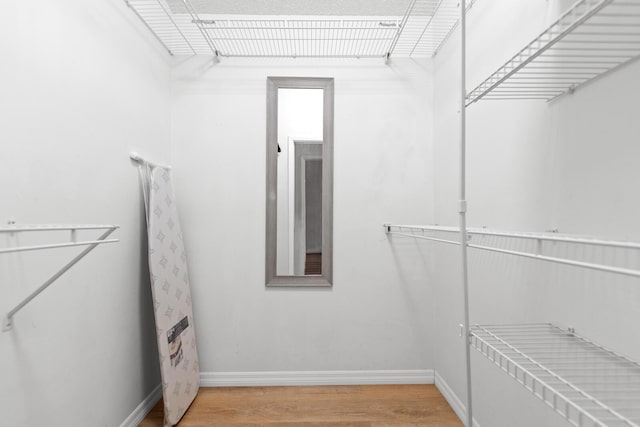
pixel 336 212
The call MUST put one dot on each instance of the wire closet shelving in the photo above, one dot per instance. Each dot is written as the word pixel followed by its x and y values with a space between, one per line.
pixel 537 250
pixel 12 229
pixel 590 40
pixel 587 384
pixel 183 29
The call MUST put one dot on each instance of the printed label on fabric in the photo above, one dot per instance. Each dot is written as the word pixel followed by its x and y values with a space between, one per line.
pixel 175 341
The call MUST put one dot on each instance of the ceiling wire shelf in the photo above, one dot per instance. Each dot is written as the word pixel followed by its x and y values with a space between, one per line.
pixel 588 41
pixel 428 25
pixel 185 30
pixel 300 38
pixel 586 383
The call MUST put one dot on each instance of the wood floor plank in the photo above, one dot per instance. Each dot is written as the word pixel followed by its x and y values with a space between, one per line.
pixel 357 406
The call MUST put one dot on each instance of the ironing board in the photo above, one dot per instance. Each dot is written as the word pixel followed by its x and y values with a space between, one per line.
pixel 179 367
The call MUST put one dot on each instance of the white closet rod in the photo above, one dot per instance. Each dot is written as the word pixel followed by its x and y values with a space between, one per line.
pixel 7 322
pixel 538 256
pixel 138 158
pixel 54 246
pixel 551 237
pixel 54 227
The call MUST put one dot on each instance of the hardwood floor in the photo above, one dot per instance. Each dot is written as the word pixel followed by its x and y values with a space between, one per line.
pixel 357 406
pixel 313 264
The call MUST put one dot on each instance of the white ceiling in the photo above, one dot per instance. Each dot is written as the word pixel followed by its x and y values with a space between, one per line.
pixel 297 7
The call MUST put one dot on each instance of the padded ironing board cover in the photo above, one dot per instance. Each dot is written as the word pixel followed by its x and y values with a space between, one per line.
pixel 179 367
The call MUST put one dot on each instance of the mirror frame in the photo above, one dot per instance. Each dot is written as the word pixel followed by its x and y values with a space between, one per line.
pixel 271 277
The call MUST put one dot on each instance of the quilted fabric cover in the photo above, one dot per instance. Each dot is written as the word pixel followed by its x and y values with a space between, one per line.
pixel 172 299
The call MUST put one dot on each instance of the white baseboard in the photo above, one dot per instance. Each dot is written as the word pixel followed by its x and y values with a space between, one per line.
pixel 454 401
pixel 143 408
pixel 288 378
pixel 292 378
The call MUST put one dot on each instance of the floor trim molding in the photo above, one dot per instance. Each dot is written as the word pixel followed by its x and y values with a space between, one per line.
pixel 143 408
pixel 293 378
pixel 454 401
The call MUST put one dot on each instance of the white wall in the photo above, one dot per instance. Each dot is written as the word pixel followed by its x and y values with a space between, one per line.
pixel 568 165
pixel 81 85
pixel 378 315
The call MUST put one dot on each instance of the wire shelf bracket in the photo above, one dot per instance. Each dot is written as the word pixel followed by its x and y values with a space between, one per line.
pixel 7 321
pixel 590 40
pixel 589 385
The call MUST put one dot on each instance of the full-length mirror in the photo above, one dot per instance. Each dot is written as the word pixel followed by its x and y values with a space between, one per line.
pixel 299 181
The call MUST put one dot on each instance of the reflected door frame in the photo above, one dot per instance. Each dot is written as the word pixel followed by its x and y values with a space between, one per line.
pixel 297 202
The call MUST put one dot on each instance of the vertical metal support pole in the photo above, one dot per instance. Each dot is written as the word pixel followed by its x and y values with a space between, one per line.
pixel 463 204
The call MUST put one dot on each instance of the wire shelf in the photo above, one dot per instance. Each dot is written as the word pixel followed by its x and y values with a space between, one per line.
pixel 536 251
pixel 302 37
pixel 428 26
pixel 551 236
pixel 7 321
pixel 182 30
pixel 587 384
pixel 590 40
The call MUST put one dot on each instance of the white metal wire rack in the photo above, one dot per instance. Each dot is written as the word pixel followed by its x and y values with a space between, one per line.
pixel 7 322
pixel 591 39
pixel 299 38
pixel 587 384
pixel 427 26
pixel 535 251
pixel 176 31
pixel 182 30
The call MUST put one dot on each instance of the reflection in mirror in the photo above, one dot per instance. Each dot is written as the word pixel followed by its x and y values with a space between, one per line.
pixel 299 168
pixel 299 209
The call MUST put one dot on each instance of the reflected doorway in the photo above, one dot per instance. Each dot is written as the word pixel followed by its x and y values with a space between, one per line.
pixel 306 204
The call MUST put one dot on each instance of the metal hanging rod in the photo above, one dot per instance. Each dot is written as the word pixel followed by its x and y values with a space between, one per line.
pixel 571 37
pixel 409 231
pixel 7 322
pixel 54 246
pixel 14 228
pixel 141 160
pixel 548 236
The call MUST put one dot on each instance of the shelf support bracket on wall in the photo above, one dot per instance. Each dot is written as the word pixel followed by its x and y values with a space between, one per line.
pixel 7 321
